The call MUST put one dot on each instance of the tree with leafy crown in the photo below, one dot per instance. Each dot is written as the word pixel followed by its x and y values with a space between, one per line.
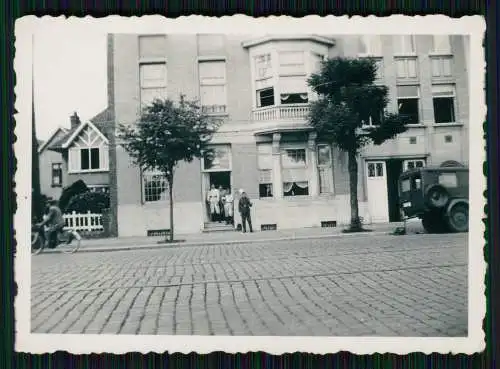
pixel 166 134
pixel 348 101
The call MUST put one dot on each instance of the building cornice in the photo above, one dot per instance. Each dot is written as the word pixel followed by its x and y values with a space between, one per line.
pixel 266 39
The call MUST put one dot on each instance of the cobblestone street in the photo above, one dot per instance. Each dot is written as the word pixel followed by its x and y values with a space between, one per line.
pixel 377 285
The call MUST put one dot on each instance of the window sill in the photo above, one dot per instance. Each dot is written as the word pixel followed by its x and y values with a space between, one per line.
pixel 225 114
pixel 440 53
pixel 417 125
pixel 368 55
pixel 88 171
pixel 405 55
pixel 157 60
pixel 447 124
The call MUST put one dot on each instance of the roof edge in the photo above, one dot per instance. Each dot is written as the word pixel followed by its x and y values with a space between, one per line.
pixel 265 39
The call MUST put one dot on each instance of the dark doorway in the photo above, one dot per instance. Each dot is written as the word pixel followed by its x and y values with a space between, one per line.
pixel 221 179
pixel 394 170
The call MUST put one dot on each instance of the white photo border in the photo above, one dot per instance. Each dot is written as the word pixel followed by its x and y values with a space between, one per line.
pixel 474 26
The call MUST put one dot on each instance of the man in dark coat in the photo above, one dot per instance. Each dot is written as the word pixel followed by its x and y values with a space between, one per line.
pixel 244 206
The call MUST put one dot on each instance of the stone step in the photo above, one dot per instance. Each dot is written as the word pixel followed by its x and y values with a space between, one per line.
pixel 217 227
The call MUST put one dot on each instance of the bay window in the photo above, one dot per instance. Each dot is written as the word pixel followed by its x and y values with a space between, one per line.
pixel 265 97
pixel 292 63
pixel 293 90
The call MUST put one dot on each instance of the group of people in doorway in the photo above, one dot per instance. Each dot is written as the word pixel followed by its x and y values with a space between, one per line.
pixel 220 204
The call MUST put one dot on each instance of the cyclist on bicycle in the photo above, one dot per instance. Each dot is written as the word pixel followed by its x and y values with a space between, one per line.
pixel 54 221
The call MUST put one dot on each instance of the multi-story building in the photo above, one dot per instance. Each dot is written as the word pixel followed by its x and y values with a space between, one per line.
pixel 258 88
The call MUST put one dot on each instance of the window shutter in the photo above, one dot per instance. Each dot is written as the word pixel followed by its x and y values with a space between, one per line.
pixel 74 161
pixel 104 157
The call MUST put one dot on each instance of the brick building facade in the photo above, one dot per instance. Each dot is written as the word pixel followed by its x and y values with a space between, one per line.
pixel 257 87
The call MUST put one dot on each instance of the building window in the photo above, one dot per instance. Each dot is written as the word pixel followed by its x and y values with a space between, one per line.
pixel 404 44
pixel 406 68
pixel 292 63
pixel 213 86
pixel 412 164
pixel 441 44
pixel 443 98
pixel 263 67
pixel 265 97
pixel 441 66
pixel 324 153
pixel 265 166
pixel 56 174
pixel 153 79
pixel 408 103
pixel 370 45
pixel 89 158
pixel 448 138
pixel 293 90
pixel 154 186
pixel 152 46
pixel 294 172
pixel 99 188
pixel 219 159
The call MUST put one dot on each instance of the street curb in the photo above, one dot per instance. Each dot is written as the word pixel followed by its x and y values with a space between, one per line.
pixel 152 246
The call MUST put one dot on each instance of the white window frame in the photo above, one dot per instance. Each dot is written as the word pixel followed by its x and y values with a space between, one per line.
pixel 88 143
pixel 161 86
pixel 269 169
pixel 60 169
pixel 406 65
pixel 325 167
pixel 269 68
pixel 284 151
pixel 292 166
pixel 438 62
pixel 406 163
pixel 150 174
pixel 368 41
pixel 400 39
pixel 214 108
pixel 411 98
pixel 452 95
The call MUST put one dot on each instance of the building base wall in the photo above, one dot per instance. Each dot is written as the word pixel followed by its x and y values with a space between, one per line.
pixel 136 220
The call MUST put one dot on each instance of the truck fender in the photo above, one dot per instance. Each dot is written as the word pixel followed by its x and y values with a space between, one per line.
pixel 453 203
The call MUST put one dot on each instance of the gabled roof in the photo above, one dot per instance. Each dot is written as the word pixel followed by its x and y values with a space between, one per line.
pixel 268 38
pixel 43 146
pixel 97 123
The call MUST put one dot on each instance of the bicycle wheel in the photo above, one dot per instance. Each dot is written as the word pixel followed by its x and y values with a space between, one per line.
pixel 37 243
pixel 69 241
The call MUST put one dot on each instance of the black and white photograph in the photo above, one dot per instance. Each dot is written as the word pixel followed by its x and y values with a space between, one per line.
pixel 238 184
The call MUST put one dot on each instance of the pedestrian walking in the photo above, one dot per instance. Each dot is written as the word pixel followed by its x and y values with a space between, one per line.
pixel 244 206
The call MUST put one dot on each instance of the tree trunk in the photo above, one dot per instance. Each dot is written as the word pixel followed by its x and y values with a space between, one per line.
pixel 353 187
pixel 171 201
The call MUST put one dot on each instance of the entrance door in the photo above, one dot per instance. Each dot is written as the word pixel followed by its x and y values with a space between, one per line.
pixel 394 169
pixel 218 180
pixel 376 186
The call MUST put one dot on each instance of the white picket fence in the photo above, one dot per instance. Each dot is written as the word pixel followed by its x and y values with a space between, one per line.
pixel 88 222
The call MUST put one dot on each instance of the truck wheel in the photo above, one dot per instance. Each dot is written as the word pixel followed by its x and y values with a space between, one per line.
pixel 437 196
pixel 458 217
pixel 434 223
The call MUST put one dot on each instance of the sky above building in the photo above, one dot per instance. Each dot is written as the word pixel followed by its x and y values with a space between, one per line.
pixel 69 74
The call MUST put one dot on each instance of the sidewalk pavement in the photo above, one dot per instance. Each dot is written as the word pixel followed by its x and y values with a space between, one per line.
pixel 219 238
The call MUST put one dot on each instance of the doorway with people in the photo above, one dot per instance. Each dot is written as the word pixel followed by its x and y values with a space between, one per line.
pixel 219 198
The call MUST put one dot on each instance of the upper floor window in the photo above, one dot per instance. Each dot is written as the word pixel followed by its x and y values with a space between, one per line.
pixel 371 45
pixel 293 90
pixel 292 63
pixel 152 46
pixel 408 103
pixel 443 98
pixel 441 66
pixel 412 164
pixel 325 168
pixel 89 153
pixel 404 44
pixel 57 174
pixel 406 68
pixel 213 86
pixel 441 44
pixel 265 166
pixel 219 160
pixel 263 67
pixel 153 82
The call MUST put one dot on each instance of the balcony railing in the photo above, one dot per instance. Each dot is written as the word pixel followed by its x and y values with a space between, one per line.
pixel 298 111
pixel 214 109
